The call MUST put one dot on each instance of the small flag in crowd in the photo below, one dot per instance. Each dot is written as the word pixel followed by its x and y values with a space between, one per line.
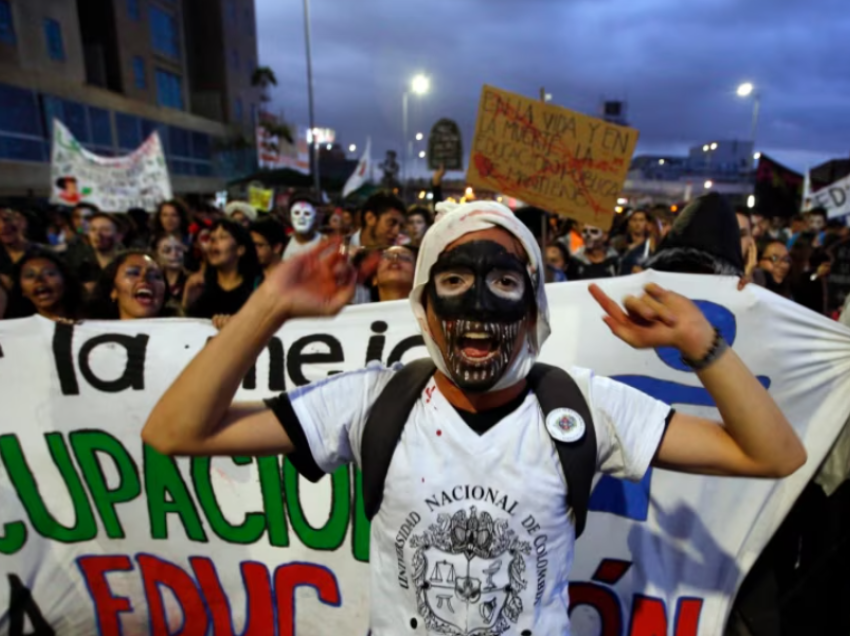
pixel 362 173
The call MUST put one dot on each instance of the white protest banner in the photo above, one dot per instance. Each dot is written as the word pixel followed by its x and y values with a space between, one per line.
pixel 834 198
pixel 274 151
pixel 109 537
pixel 114 184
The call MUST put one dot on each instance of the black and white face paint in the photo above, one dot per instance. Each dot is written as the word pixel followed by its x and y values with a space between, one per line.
pixel 481 295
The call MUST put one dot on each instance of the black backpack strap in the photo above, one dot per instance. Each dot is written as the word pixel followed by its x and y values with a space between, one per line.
pixel 556 389
pixel 384 425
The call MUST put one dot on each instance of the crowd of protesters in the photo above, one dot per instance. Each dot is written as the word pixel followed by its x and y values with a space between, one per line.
pixel 84 263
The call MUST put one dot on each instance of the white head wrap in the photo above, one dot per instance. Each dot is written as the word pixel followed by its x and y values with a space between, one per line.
pixel 454 221
pixel 241 206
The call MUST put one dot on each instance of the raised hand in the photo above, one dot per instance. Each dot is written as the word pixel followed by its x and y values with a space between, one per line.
pixel 659 318
pixel 318 283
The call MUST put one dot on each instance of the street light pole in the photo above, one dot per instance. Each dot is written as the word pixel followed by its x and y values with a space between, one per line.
pixel 756 107
pixel 314 151
pixel 405 154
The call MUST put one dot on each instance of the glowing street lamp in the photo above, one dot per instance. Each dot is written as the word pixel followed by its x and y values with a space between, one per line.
pixel 352 148
pixel 421 154
pixel 419 136
pixel 745 90
pixel 708 184
pixel 419 85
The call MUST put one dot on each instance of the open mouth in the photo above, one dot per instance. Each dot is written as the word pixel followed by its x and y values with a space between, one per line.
pixel 479 351
pixel 144 296
pixel 43 293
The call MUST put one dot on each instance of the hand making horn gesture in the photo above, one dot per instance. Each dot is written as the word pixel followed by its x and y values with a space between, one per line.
pixel 658 318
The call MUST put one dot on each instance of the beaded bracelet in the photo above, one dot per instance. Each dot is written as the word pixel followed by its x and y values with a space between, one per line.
pixel 718 348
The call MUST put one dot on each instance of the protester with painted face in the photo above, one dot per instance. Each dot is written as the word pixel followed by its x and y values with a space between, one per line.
pixel 44 285
pixel 596 259
pixel 476 427
pixel 305 220
pixel 131 287
pixel 104 243
pixel 171 256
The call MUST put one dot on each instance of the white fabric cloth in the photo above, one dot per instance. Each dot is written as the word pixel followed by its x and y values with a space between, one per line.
pixel 442 469
pixel 454 221
pixel 294 248
pixel 241 206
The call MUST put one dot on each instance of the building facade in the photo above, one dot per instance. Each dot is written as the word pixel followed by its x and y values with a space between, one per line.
pixel 114 71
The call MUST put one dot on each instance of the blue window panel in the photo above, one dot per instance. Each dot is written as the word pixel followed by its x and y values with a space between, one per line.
pixel 22 149
pixel 129 131
pixel 19 111
pixel 203 169
pixel 7 25
pixel 231 11
pixel 133 10
pixel 53 36
pixel 181 167
pixel 234 59
pixel 74 117
pixel 201 146
pixel 179 144
pixel 169 89
pixel 139 76
pixel 248 21
pixel 101 127
pixel 254 116
pixel 164 36
pixel 237 109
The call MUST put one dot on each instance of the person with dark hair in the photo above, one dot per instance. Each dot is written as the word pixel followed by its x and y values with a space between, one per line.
pixel 43 285
pixel 636 234
pixel 13 244
pixel 132 286
pixel 383 218
pixel 418 222
pixel 557 261
pixel 171 255
pixel 104 242
pixel 394 277
pixel 231 275
pixel 704 239
pixel 171 217
pixel 596 259
pixel 775 261
pixel 269 240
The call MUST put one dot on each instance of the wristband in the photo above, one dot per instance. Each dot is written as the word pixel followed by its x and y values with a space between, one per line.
pixel 718 348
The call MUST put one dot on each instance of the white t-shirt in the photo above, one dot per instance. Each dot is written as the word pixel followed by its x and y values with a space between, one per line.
pixel 473 531
pixel 294 248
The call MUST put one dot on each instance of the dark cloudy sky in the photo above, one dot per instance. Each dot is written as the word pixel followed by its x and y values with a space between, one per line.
pixel 677 64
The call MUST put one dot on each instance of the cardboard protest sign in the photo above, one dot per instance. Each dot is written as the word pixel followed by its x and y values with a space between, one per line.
pixel 114 184
pixel 445 146
pixel 834 198
pixel 550 157
pixel 260 198
pixel 103 535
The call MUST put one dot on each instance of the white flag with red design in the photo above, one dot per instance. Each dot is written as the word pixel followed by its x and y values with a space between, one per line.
pixel 362 173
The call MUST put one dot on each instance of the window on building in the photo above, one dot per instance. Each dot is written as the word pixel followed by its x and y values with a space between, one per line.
pixel 234 59
pixel 19 111
pixel 248 21
pixel 133 10
pixel 139 76
pixel 230 6
pixel 101 127
pixel 164 35
pixel 169 89
pixel 129 134
pixel 53 36
pixel 74 116
pixel 237 109
pixel 7 26
pixel 201 147
pixel 179 142
pixel 254 116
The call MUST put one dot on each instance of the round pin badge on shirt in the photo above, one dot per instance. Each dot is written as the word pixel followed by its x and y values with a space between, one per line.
pixel 565 425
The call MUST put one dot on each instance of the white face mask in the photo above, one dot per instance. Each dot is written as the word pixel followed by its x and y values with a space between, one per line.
pixel 303 217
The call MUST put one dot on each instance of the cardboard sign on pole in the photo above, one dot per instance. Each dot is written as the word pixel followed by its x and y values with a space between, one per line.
pixel 550 157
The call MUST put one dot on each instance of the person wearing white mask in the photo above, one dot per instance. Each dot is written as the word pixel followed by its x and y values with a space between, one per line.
pixel 305 221
pixel 474 481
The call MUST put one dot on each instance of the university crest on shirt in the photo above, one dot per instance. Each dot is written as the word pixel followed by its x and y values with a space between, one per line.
pixel 468 574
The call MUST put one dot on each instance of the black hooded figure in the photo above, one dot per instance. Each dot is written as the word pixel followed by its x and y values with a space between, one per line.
pixel 704 239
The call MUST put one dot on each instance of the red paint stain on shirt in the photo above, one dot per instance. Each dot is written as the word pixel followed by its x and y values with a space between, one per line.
pixel 439 433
